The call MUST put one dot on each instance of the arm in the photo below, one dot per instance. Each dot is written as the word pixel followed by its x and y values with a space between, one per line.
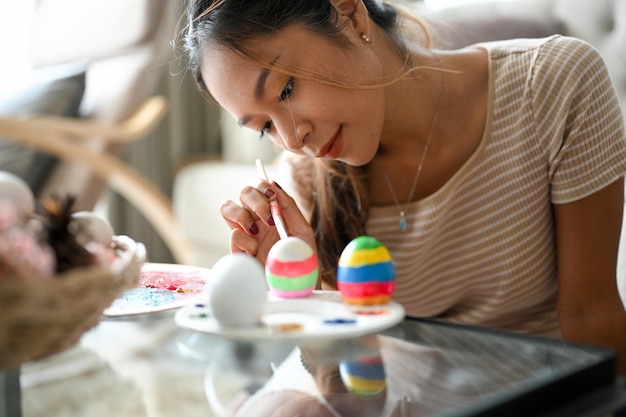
pixel 589 306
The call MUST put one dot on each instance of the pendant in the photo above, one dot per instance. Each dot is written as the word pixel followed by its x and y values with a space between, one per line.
pixel 402 222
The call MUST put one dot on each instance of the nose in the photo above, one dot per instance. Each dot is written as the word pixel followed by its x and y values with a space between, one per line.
pixel 293 134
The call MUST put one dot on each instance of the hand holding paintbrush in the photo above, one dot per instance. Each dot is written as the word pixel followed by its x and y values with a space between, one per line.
pixel 276 213
pixel 291 268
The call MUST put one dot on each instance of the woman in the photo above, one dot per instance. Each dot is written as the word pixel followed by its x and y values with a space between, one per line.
pixel 493 174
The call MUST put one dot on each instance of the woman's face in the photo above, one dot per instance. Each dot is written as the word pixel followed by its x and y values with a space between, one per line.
pixel 303 116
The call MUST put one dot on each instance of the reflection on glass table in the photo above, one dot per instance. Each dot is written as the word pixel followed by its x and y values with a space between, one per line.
pixel 418 368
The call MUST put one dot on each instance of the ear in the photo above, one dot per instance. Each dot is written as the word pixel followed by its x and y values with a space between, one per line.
pixel 356 12
pixel 345 7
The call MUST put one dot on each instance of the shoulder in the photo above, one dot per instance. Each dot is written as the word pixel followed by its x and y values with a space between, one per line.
pixel 294 166
pixel 542 69
pixel 555 45
pixel 572 69
pixel 555 56
pixel 566 54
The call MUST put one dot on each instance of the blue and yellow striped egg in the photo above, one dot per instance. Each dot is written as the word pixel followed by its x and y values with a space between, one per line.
pixel 291 268
pixel 363 377
pixel 366 274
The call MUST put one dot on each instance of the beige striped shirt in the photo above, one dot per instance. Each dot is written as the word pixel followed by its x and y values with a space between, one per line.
pixel 481 250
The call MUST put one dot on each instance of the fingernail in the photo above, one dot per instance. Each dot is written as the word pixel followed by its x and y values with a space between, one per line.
pixel 269 193
pixel 276 184
pixel 254 229
pixel 270 220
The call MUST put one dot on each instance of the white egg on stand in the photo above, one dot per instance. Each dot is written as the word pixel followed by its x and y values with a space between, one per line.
pixel 237 291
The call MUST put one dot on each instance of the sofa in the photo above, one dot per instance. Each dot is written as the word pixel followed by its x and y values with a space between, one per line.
pixel 199 188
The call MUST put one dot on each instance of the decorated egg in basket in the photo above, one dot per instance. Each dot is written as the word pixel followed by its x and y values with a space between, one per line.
pixel 16 190
pixel 291 268
pixel 366 274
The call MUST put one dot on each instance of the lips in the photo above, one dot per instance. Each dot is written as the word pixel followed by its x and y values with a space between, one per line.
pixel 332 148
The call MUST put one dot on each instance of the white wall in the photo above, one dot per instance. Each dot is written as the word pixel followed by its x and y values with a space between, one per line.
pixel 14 25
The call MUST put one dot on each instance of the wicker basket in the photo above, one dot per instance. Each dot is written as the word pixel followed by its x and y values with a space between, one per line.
pixel 39 318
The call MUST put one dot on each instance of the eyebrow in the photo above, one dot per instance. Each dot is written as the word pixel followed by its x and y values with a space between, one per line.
pixel 259 90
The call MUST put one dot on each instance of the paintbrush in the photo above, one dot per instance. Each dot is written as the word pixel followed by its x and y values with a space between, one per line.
pixel 276 213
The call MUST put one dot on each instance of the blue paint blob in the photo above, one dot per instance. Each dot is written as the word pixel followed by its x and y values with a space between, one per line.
pixel 340 321
pixel 148 297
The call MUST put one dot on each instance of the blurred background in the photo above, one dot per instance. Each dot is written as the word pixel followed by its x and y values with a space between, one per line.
pixel 123 51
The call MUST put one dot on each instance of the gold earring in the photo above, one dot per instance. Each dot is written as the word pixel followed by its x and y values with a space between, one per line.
pixel 365 37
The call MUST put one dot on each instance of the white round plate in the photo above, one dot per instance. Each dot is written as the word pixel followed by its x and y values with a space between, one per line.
pixel 161 287
pixel 324 315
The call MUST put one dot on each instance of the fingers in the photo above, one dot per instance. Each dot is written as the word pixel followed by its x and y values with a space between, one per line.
pixel 257 246
pixel 252 223
pixel 257 201
pixel 237 217
pixel 241 241
pixel 250 219
pixel 297 225
pixel 253 206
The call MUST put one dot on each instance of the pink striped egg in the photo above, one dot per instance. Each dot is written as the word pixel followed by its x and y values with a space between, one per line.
pixel 291 268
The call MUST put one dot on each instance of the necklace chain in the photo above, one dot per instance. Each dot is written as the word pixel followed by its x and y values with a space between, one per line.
pixel 420 166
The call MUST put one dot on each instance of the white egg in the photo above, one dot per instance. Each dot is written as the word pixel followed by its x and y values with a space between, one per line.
pixel 16 190
pixel 237 291
pixel 89 227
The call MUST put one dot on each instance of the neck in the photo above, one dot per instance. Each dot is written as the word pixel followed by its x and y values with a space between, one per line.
pixel 411 105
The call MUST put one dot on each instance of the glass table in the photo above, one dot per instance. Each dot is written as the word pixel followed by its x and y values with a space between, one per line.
pixel 150 367
pixel 418 368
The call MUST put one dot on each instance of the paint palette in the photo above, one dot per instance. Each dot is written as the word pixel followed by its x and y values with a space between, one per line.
pixel 323 315
pixel 161 287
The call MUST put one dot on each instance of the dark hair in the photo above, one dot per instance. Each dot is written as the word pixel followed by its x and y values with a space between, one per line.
pixel 340 202
pixel 232 23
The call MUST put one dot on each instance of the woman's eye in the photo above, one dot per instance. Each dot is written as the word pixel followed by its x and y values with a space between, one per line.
pixel 266 129
pixel 288 90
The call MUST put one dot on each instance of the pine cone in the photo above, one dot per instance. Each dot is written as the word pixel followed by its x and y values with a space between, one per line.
pixel 56 216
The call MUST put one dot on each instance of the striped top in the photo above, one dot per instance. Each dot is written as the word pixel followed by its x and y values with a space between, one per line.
pixel 481 250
